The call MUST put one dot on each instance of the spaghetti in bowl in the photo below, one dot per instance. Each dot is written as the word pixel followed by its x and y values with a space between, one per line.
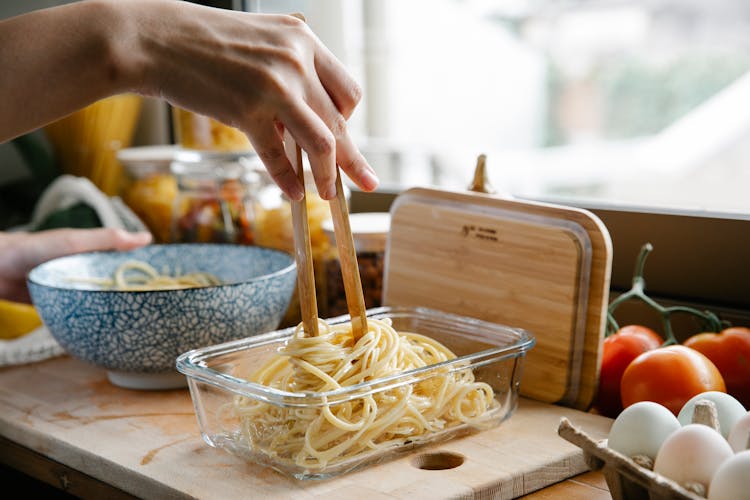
pixel 135 327
pixel 313 408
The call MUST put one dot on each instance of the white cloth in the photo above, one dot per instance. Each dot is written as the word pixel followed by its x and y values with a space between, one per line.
pixel 35 346
pixel 68 190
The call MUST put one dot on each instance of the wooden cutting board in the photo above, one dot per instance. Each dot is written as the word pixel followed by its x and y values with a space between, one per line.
pixel 147 443
pixel 541 267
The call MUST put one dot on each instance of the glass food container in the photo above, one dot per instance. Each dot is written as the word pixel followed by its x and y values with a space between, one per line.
pixel 218 376
pixel 194 131
pixel 370 233
pixel 216 197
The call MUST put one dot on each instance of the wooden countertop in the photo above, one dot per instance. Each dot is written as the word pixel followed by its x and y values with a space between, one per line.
pixel 587 486
pixel 62 422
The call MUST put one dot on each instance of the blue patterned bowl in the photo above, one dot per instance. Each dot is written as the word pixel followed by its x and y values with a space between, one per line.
pixel 137 336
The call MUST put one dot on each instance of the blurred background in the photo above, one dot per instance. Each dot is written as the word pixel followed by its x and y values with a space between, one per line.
pixel 641 103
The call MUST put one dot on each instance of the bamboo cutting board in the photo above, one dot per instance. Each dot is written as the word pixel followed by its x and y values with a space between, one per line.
pixel 147 444
pixel 541 267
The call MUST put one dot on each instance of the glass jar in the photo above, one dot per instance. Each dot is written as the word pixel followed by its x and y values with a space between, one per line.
pixel 148 186
pixel 194 131
pixel 216 197
pixel 370 234
pixel 274 218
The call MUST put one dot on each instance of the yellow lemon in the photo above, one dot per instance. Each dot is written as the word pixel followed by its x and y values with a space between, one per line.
pixel 17 319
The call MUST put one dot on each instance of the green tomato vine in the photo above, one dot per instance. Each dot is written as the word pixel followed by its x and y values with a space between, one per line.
pixel 709 321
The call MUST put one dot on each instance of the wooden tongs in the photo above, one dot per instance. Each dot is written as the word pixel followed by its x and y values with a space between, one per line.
pixel 303 252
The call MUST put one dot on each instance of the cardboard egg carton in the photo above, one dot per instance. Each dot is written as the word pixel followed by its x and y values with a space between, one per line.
pixel 626 479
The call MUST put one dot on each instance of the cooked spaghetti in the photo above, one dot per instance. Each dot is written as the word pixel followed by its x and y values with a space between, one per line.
pixel 136 275
pixel 333 433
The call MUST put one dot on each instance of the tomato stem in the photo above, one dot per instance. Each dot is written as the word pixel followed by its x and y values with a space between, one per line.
pixel 709 320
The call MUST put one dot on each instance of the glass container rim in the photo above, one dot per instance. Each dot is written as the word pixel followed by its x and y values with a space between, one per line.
pixel 189 363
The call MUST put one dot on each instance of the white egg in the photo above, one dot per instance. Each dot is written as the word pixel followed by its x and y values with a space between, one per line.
pixel 732 479
pixel 739 436
pixel 728 409
pixel 641 428
pixel 692 453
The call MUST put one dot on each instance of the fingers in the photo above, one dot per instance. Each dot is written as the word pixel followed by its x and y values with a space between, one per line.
pixel 354 164
pixel 342 89
pixel 335 102
pixel 312 134
pixel 126 240
pixel 322 132
pixel 43 246
pixel 93 240
pixel 318 123
pixel 348 156
pixel 267 142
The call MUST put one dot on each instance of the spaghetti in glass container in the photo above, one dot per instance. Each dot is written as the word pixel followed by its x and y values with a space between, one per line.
pixel 314 408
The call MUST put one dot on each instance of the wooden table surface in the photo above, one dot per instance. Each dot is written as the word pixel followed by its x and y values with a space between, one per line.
pixel 63 423
pixel 587 486
pixel 34 472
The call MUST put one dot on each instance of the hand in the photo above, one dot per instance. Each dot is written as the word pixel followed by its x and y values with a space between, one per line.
pixel 261 74
pixel 21 252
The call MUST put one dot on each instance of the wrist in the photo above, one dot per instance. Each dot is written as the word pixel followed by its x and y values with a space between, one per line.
pixel 123 60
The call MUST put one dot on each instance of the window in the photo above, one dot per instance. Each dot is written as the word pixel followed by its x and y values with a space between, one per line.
pixel 634 110
pixel 640 102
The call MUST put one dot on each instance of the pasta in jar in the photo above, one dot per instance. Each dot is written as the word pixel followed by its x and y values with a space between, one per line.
pixel 148 187
pixel 200 132
pixel 152 198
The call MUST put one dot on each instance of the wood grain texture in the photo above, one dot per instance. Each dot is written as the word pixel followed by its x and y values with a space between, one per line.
pixel 540 267
pixel 55 474
pixel 355 299
pixel 302 246
pixel 147 444
pixel 587 486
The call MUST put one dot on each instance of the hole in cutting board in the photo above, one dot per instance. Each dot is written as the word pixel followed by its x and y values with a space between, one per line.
pixel 437 461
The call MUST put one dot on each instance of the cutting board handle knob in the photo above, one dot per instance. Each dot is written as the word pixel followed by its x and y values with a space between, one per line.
pixel 481 183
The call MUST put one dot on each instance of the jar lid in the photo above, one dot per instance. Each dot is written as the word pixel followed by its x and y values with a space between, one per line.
pixel 217 165
pixel 146 160
pixel 369 230
pixel 199 156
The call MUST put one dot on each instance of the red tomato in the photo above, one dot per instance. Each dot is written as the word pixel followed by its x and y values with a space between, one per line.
pixel 618 351
pixel 669 376
pixel 641 330
pixel 730 352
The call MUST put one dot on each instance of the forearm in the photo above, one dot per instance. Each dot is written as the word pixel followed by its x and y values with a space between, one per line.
pixel 54 61
pixel 260 73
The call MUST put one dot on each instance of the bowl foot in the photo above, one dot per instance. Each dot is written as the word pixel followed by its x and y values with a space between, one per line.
pixel 147 381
